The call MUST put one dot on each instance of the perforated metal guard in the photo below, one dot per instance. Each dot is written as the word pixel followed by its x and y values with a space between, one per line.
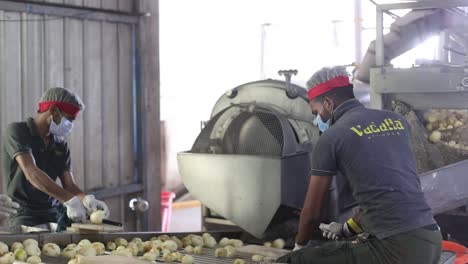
pixel 250 133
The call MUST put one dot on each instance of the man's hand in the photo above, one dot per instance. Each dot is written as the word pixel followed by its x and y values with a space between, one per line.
pixel 333 230
pixel 93 205
pixel 75 209
pixel 7 207
pixel 336 230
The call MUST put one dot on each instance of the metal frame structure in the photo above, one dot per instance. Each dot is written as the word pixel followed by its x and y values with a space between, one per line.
pixel 377 96
pixel 62 10
pixel 434 86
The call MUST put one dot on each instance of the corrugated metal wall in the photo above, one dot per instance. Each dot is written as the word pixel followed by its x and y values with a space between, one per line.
pixel 93 59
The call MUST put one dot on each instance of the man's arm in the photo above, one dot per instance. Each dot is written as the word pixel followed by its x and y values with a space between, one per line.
pixel 40 179
pixel 89 201
pixel 316 197
pixel 69 184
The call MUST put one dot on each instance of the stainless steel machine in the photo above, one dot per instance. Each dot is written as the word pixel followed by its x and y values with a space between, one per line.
pixel 432 95
pixel 250 163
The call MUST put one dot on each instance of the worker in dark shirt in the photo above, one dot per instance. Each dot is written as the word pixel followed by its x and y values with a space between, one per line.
pixel 372 149
pixel 35 154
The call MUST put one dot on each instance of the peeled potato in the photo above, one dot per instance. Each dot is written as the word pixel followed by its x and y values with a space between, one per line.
pixel 224 241
pixel 239 261
pixel 123 253
pixel 121 242
pixel 432 117
pixel 257 258
pixel 198 241
pixel 16 245
pixel 267 244
pixel 141 247
pixel 111 246
pixel 34 260
pixel 220 253
pixel 230 251
pixel 188 249
pixel 187 241
pixel 166 251
pixel 278 243
pixel 132 247
pixel 87 251
pixel 20 254
pixel 170 245
pixel 99 247
pixel 157 243
pixel 210 242
pixel 51 250
pixel 177 256
pixel 136 240
pixel 187 259
pixel 150 256
pixel 69 252
pixel 198 250
pixel 8 258
pixel 97 217
pixel 3 248
pixel 155 251
pixel 435 136
pixel 168 257
pixel 32 250
pixel 30 241
pixel 236 243
pixel 164 238
pixel 178 241
pixel 84 242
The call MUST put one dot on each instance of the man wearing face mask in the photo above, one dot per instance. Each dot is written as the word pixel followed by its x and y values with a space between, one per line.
pixel 35 154
pixel 372 150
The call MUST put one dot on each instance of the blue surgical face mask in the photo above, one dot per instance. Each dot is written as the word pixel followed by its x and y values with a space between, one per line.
pixel 322 126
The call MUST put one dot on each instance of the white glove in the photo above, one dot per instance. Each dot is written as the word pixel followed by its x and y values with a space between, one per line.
pixel 75 209
pixel 93 205
pixel 336 230
pixel 297 247
pixel 7 206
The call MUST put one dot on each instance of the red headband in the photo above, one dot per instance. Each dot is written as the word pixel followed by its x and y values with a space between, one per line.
pixel 70 109
pixel 337 82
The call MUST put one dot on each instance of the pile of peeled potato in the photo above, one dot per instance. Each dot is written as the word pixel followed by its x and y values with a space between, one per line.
pixel 27 251
pixel 449 127
pixel 168 248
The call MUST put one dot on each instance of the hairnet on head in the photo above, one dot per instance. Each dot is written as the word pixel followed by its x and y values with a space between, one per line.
pixel 64 99
pixel 326 79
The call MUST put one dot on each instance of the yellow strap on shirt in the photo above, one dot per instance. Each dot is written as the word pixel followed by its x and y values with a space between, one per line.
pixel 356 228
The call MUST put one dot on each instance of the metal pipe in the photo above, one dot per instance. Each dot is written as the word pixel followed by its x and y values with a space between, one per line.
pixel 61 10
pixel 443 55
pixel 379 45
pixel 376 99
pixel 357 31
pixel 262 49
pixel 424 4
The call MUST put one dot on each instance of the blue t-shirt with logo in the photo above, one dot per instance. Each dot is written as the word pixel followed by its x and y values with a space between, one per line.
pixel 372 149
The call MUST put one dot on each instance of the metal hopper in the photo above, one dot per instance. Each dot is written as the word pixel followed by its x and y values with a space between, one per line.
pixel 251 161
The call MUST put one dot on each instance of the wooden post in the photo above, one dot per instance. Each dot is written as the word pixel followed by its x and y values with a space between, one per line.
pixel 148 47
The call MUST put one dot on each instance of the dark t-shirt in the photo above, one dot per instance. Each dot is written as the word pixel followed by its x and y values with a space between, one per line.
pixel 372 149
pixel 53 159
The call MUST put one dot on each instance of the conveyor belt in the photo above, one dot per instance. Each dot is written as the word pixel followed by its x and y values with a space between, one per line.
pixel 208 257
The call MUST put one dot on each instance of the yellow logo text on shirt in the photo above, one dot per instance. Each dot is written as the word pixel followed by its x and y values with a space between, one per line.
pixel 387 125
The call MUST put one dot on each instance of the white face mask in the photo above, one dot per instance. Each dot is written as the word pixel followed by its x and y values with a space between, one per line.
pixel 62 129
